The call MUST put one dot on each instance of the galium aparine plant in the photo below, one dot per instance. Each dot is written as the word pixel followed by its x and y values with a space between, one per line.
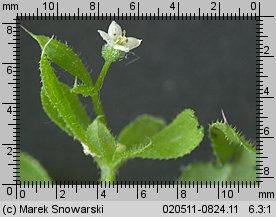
pixel 145 137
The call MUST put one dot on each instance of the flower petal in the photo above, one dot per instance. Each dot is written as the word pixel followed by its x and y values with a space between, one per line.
pixel 104 35
pixel 114 30
pixel 132 43
pixel 121 47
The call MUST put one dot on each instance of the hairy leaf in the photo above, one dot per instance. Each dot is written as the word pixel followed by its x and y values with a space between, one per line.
pixel 31 169
pixel 177 139
pixel 240 170
pixel 100 142
pixel 53 113
pixel 227 142
pixel 65 103
pixel 83 90
pixel 76 106
pixel 64 56
pixel 135 137
pixel 236 158
pixel 124 153
pixel 140 130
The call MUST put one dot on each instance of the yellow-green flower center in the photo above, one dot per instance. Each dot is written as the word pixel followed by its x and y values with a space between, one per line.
pixel 121 40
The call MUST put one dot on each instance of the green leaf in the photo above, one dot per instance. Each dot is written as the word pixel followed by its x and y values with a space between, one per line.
pixel 245 166
pixel 135 137
pixel 208 171
pixel 64 56
pixel 140 130
pixel 65 103
pixel 227 142
pixel 53 113
pixel 31 169
pixel 124 153
pixel 76 105
pixel 82 89
pixel 240 170
pixel 236 158
pixel 100 142
pixel 177 139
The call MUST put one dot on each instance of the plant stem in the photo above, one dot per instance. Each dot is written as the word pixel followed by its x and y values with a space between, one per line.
pixel 99 82
pixel 96 96
pixel 99 108
pixel 108 174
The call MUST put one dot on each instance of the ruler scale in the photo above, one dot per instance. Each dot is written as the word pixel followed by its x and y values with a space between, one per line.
pixel 135 198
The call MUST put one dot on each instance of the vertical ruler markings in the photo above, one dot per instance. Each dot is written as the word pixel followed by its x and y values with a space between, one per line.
pixel 55 10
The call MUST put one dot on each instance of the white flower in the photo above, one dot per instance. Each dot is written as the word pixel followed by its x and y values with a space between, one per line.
pixel 117 39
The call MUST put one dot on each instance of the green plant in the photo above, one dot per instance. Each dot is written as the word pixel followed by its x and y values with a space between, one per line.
pixel 145 137
pixel 31 169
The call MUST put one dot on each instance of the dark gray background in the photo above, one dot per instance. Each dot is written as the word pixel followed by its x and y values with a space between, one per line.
pixel 203 65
